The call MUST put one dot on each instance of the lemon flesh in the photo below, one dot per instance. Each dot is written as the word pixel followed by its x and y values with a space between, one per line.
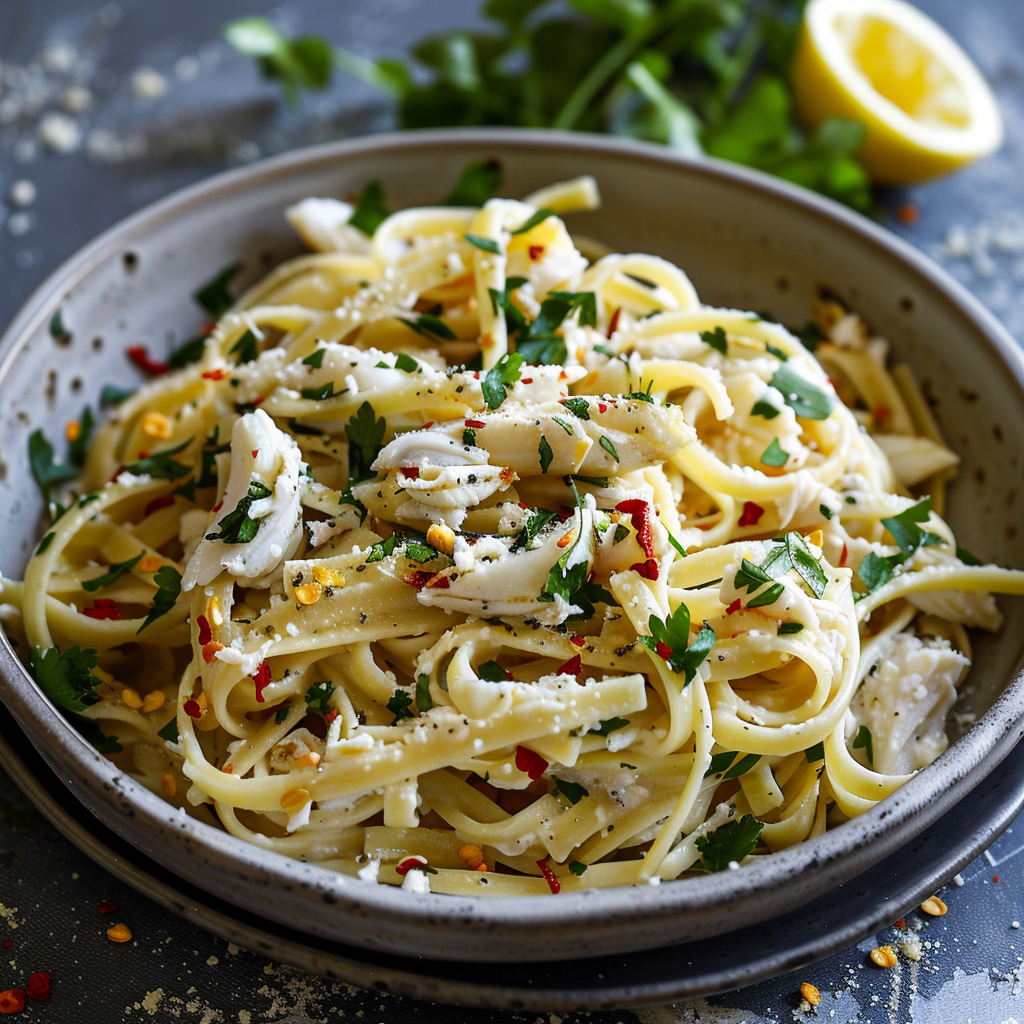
pixel 883 63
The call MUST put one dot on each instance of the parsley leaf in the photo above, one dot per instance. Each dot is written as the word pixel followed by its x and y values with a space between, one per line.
pixel 400 705
pixel 531 222
pixel 815 753
pixel 365 433
pixel 908 536
pixel 382 550
pixel 577 867
pixel 170 731
pixel 545 454
pixel 478 181
pixel 80 445
pixel 606 443
pixel 790 627
pixel 247 348
pixel 487 244
pixel 864 739
pixel 492 672
pixel 315 358
pixel 764 408
pixel 528 534
pixel 161 465
pixel 722 764
pixel 610 725
pixel 579 407
pixel 318 697
pixel 966 557
pixel 572 791
pixel 774 455
pixel 45 471
pixel 500 378
pixel 424 702
pixel 716 339
pixel 429 326
pixel 98 738
pixel 168 581
pixel 674 635
pixel 302 63
pixel 804 398
pixel 189 352
pixel 214 296
pixel 66 678
pixel 728 843
pixel 113 395
pixel 238 527
pixel 371 208
pixel 320 394
pixel 116 571
pixel 282 713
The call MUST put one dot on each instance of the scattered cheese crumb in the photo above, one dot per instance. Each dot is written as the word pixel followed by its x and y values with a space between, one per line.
pixel 23 192
pixel 59 133
pixel 148 84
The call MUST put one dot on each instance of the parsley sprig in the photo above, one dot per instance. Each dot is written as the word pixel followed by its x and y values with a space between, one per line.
pixel 728 843
pixel 670 638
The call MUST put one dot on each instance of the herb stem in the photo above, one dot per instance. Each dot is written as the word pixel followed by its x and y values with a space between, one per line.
pixel 368 72
pixel 598 75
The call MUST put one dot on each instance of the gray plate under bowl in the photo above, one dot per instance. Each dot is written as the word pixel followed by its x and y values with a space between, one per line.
pixel 746 241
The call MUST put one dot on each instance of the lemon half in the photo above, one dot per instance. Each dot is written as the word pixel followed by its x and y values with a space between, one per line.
pixel 883 63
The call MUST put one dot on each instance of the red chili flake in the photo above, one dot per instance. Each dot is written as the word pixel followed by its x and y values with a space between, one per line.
pixel 842 557
pixel 417 579
pixel 12 1001
pixel 648 570
pixel 602 407
pixel 908 214
pixel 261 677
pixel 412 472
pixel 564 513
pixel 158 503
pixel 523 505
pixel 205 633
pixel 192 709
pixel 8 944
pixel 255 452
pixel 573 667
pixel 526 380
pixel 578 641
pixel 332 715
pixel 214 374
pixel 531 762
pixel 429 424
pixel 734 607
pixel 549 876
pixel 117 472
pixel 901 923
pixel 881 413
pixel 536 251
pixel 260 400
pixel 405 866
pixel 104 608
pixel 752 513
pixel 639 513
pixel 143 454
pixel 475 424
pixel 108 906
pixel 140 357
pixel 663 650
pixel 996 879
pixel 217 507
pixel 438 582
pixel 562 375
pixel 38 986
pixel 614 322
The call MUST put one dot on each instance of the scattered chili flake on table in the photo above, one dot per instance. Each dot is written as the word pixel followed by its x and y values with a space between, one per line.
pixel 12 1000
pixel 108 907
pixel 908 214
pixel 38 986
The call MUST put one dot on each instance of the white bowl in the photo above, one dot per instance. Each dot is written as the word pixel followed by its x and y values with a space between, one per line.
pixel 745 240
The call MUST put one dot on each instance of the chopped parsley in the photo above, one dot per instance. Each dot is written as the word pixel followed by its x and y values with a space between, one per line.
pixel 116 571
pixel 113 395
pixel 424 702
pixel 46 472
pixel 610 725
pixel 430 326
pixel 966 557
pixel 319 394
pixel 815 753
pixel 671 640
pixel 764 408
pixel 790 627
pixel 382 550
pixel 606 443
pixel 537 218
pixel 479 180
pixel 282 713
pixel 365 433
pixel 45 542
pixel 528 534
pixel 579 407
pixel 722 765
pixel 825 511
pixel 804 398
pixel 572 791
pixel 161 465
pixel 400 705
pixel 66 678
pixel 238 527
pixel 371 208
pixel 876 570
pixel 214 296
pixel 716 339
pixel 565 426
pixel 315 358
pixel 500 379
pixel 98 738
pixel 170 731
pixel 545 454
pixel 318 697
pixel 577 867
pixel 469 437
pixel 492 672
pixel 863 739
pixel 80 445
pixel 487 244
pixel 168 582
pixel 729 843
pixel 774 455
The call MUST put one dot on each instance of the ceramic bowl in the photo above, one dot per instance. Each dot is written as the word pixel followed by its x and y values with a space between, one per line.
pixel 746 241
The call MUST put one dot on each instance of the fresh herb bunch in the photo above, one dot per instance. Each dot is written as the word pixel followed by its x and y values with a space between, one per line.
pixel 701 76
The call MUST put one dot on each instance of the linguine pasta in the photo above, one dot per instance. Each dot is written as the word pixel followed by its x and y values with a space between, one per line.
pixel 463 562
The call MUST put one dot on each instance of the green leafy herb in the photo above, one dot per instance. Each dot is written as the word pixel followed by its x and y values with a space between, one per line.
pixel 115 572
pixel 406 363
pixel 302 63
pixel 716 339
pixel 282 713
pixel 810 335
pixel 80 445
pixel 764 408
pixel 424 702
pixel 876 570
pixel 905 531
pixel 318 698
pixel 514 318
pixel 365 433
pixel 790 627
pixel 66 678
pixel 113 395
pixel 807 566
pixel 478 181
pixel 606 443
pixel 825 511
pixel 246 348
pixel 680 550
pixel 214 296
pixel 774 454
pixel 572 791
pixel 577 867
pixel 170 731
pixel 545 351
pixel 805 399
pixel 673 636
pixel 528 534
pixel 371 208
pixel 863 739
pixel 382 550
pixel 610 725
pixel 729 843
pixel 500 378
pixel 238 527
pixel 57 328
pixel 492 672
pixel 469 436
pixel 46 472
pixel 430 326
pixel 545 454
pixel 767 597
pixel 966 557
pixel 98 738
pixel 722 764
pixel 777 352
pixel 815 753
pixel 189 352
pixel 319 394
pixel 579 407
pixel 487 244
pixel 537 218
pixel 168 581
pixel 420 553
pixel 45 542
pixel 750 576
pixel 400 705
pixel 565 426
pixel 315 358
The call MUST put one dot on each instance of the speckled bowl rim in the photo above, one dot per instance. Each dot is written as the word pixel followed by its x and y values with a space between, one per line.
pixel 846 850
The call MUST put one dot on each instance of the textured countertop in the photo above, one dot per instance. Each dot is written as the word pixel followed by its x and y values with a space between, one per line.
pixel 135 136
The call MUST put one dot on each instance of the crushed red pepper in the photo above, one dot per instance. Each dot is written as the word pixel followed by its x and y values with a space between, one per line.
pixel 140 357
pixel 38 986
pixel 639 513
pixel 530 762
pixel 752 513
pixel 261 677
pixel 104 608
pixel 549 876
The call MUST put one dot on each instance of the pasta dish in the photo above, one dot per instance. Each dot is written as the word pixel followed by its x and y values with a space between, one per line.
pixel 463 555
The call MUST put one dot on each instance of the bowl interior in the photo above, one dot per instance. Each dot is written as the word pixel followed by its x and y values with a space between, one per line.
pixel 743 242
